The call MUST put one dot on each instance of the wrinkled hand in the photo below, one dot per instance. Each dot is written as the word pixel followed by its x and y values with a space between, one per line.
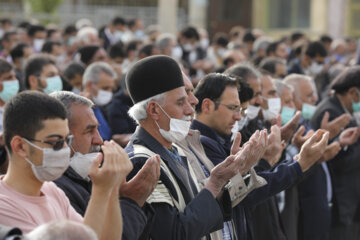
pixel 349 136
pixel 257 146
pixel 335 126
pixel 298 139
pixel 289 128
pixel 221 174
pixel 115 168
pixel 313 149
pixel 275 146
pixel 143 183
pixel 331 151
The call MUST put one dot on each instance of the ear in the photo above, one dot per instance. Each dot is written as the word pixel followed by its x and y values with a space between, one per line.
pixel 19 146
pixel 33 82
pixel 153 110
pixel 207 106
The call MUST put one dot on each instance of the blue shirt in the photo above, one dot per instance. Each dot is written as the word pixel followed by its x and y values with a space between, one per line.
pixel 104 128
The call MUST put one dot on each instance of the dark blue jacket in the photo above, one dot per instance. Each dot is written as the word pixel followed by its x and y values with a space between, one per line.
pixel 119 120
pixel 283 176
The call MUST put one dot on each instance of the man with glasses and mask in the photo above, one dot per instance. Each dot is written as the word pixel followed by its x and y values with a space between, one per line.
pixel 216 113
pixel 345 166
pixel 37 139
pixel 163 111
pixel 75 182
pixel 41 74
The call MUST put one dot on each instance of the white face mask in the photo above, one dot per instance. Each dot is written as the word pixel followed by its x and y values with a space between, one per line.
pixel 38 43
pixel 81 163
pixel 315 69
pixel 204 43
pixel 102 98
pixel 274 106
pixel 176 53
pixel 357 117
pixel 221 51
pixel 188 47
pixel 54 163
pixel 179 128
pixel 252 112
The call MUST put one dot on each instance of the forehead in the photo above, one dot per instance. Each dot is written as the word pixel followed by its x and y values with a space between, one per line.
pixel 305 86
pixel 55 126
pixel 255 84
pixel 106 79
pixel 175 94
pixel 267 82
pixel 49 68
pixel 230 95
pixel 82 116
pixel 187 82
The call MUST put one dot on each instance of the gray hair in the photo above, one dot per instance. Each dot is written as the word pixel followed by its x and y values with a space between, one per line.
pixel 92 72
pixel 294 79
pixel 164 39
pixel 62 230
pixel 280 85
pixel 138 111
pixel 83 35
pixel 70 98
pixel 245 70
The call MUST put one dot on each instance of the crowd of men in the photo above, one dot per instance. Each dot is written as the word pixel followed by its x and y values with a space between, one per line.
pixel 127 132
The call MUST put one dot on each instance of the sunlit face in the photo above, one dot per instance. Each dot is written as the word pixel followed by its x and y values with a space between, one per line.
pixel 268 87
pixel 106 83
pixel 287 98
pixel 223 118
pixel 84 127
pixel 281 51
pixel 306 94
pixel 53 129
pixel 48 71
pixel 177 106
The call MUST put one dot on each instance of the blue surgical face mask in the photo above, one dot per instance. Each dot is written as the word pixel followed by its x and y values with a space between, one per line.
pixel 53 84
pixel 307 111
pixel 356 106
pixel 286 114
pixel 10 89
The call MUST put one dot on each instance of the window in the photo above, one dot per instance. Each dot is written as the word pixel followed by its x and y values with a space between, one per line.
pixel 289 13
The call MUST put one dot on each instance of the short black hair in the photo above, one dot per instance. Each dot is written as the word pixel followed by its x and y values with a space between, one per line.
pixel 246 92
pixel 316 49
pixel 7 35
pixel 48 46
pixel 221 39
pixel 248 37
pixel 24 114
pixel 346 80
pixel 5 66
pixel 132 22
pixel 35 28
pixel 212 86
pixel 132 46
pixel 73 69
pixel 272 47
pixel 118 21
pixel 269 64
pixel 70 29
pixel 190 32
pixel 34 66
pixel 117 50
pixel 18 50
pixel 147 50
pixel 296 36
pixel 326 39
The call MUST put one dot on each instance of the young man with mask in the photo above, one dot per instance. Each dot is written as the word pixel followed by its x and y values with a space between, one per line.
pixel 98 84
pixel 37 137
pixel 163 111
pixel 86 144
pixel 218 96
pixel 41 74
pixel 345 166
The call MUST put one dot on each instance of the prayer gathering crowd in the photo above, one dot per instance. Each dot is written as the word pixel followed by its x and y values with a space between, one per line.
pixel 127 132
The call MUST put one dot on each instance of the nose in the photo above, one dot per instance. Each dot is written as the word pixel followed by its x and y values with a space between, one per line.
pixel 97 139
pixel 237 116
pixel 189 110
pixel 259 100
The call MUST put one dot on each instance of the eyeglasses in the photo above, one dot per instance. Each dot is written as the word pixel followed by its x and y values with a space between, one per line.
pixel 234 108
pixel 56 144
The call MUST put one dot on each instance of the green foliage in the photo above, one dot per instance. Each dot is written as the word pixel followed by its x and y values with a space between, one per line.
pixel 44 6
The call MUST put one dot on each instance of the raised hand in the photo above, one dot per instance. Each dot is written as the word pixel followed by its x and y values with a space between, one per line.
pixel 275 146
pixel 349 136
pixel 335 126
pixel 116 166
pixel 143 183
pixel 298 138
pixel 331 151
pixel 313 149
